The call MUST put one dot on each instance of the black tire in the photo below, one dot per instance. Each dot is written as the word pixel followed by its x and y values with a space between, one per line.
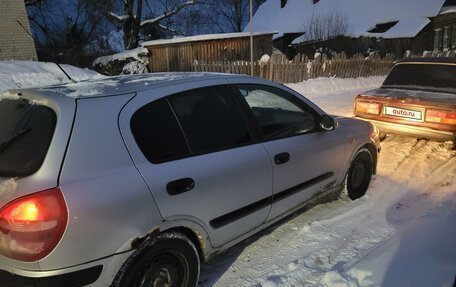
pixel 169 259
pixel 359 174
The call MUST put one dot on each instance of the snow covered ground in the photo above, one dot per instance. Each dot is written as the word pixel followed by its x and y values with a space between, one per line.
pixel 402 233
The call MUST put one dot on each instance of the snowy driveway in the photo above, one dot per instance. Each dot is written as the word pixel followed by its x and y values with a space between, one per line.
pixel 402 233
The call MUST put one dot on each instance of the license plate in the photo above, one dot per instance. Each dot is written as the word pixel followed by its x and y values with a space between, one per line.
pixel 403 113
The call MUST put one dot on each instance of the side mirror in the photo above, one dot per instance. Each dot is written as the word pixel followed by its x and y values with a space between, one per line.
pixel 327 123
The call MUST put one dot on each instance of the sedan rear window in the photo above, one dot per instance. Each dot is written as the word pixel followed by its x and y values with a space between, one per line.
pixel 426 75
pixel 25 135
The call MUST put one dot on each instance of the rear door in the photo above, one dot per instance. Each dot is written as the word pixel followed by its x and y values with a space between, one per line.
pixel 197 156
pixel 306 160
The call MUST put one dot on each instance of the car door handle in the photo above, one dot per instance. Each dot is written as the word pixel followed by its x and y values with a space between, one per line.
pixel 180 186
pixel 281 158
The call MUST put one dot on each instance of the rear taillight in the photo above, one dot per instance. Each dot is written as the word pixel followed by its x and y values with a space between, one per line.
pixel 31 226
pixel 441 116
pixel 368 107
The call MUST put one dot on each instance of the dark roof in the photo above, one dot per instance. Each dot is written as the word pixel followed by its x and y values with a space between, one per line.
pixel 449 3
pixel 383 27
pixel 449 60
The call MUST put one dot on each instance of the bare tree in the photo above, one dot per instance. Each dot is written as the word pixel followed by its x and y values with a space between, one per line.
pixel 326 26
pixel 133 18
pixel 230 15
pixel 63 31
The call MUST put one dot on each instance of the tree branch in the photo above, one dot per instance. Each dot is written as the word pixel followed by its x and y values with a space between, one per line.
pixel 171 30
pixel 168 14
pixel 31 2
pixel 118 18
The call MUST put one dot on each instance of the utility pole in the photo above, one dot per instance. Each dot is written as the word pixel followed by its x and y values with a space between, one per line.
pixel 251 39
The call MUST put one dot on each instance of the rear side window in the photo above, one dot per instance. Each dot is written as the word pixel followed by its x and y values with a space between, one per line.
pixel 422 75
pixel 157 132
pixel 190 123
pixel 25 135
pixel 211 119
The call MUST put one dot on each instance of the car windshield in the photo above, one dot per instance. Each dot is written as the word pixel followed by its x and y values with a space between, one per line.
pixel 25 134
pixel 422 75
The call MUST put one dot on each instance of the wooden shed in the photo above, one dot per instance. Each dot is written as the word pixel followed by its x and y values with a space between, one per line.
pixel 179 54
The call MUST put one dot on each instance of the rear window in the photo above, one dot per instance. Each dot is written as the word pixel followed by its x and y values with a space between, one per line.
pixel 423 75
pixel 25 135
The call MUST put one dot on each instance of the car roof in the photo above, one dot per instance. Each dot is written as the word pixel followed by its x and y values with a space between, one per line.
pixel 125 84
pixel 436 60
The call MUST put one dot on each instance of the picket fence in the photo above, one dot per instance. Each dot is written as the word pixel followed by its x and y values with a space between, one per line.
pixel 279 69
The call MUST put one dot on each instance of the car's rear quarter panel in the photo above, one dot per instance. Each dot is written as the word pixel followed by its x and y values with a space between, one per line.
pixel 108 202
pixel 47 175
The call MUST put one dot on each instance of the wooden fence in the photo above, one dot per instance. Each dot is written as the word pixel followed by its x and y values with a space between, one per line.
pixel 282 70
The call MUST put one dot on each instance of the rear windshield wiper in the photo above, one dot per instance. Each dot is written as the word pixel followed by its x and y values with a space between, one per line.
pixel 6 143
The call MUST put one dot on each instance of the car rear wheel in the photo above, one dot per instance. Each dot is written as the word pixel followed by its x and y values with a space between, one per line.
pixel 167 260
pixel 359 174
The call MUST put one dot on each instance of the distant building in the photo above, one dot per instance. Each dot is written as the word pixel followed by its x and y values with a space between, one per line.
pixel 444 26
pixel 387 26
pixel 179 54
pixel 16 41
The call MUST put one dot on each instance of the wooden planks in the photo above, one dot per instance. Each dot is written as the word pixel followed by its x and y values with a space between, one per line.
pixel 282 70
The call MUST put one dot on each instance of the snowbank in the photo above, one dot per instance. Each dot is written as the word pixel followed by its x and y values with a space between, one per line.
pixel 336 95
pixel 128 62
pixel 137 54
pixel 26 74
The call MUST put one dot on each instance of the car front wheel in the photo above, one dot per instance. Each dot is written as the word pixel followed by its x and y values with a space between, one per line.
pixel 167 260
pixel 359 174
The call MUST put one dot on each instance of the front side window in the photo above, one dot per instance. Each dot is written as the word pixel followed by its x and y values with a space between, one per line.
pixel 210 119
pixel 277 113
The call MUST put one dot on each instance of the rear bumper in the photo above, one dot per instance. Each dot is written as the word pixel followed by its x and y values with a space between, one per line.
pixel 413 131
pixel 83 277
pixel 94 274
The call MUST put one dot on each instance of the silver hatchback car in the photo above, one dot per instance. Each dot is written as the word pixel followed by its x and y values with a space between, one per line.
pixel 133 180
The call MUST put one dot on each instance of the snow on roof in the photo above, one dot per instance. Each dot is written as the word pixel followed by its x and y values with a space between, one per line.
pixel 362 16
pixel 25 74
pixel 448 10
pixel 106 86
pixel 205 37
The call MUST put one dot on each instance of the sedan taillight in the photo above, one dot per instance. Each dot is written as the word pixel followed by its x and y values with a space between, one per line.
pixel 32 226
pixel 441 116
pixel 368 107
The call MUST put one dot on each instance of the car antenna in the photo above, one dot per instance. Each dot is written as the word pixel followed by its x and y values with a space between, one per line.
pixel 66 74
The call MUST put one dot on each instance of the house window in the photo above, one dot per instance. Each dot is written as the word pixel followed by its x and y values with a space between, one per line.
pixel 453 37
pixel 438 39
pixel 446 37
pixel 383 27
